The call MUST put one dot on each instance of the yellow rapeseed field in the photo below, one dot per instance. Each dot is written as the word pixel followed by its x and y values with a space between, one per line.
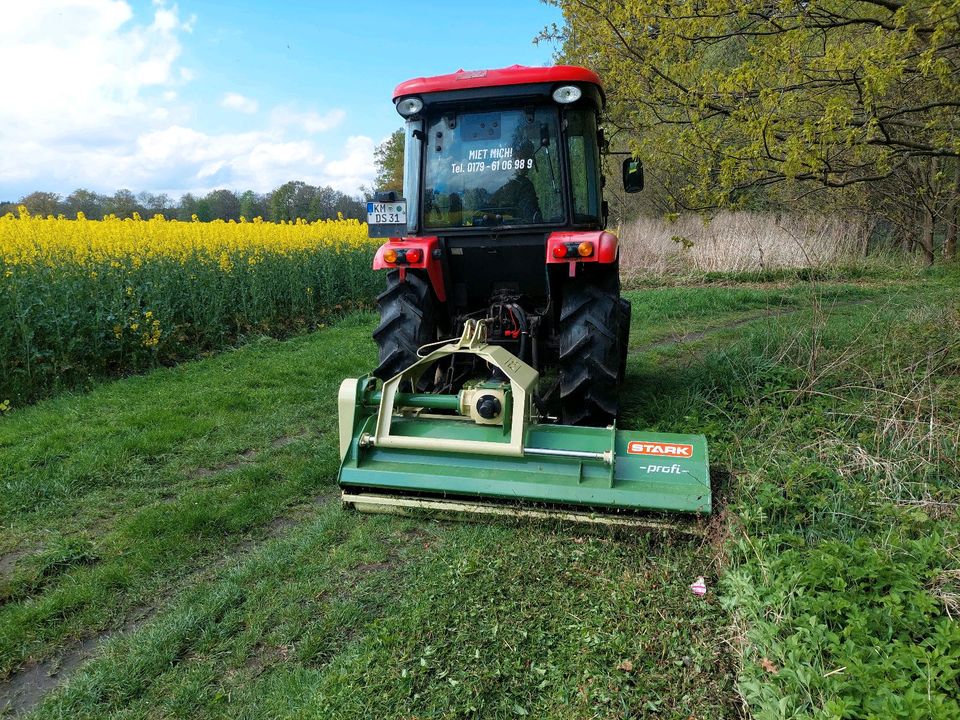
pixel 81 299
pixel 52 240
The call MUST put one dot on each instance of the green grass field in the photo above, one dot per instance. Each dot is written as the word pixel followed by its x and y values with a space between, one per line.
pixel 171 545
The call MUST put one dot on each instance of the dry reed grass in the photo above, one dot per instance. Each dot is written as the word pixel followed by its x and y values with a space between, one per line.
pixel 740 241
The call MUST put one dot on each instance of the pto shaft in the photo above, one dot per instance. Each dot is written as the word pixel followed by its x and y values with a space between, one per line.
pixel 420 400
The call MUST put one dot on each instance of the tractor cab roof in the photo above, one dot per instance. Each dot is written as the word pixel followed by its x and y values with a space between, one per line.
pixel 501 78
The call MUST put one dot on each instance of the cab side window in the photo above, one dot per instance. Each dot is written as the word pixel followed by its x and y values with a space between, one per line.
pixel 584 165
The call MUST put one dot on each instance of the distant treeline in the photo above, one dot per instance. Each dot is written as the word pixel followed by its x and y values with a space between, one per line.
pixel 290 201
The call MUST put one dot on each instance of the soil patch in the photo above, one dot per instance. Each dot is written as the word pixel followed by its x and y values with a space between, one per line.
pixel 8 561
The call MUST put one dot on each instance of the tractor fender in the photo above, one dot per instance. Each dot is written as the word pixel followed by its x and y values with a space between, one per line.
pixel 429 260
pixel 605 246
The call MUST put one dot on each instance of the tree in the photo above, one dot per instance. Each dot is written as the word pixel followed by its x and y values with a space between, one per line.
pixel 86 201
pixel 323 203
pixel 224 205
pixel 389 160
pixel 952 218
pixel 152 204
pixel 283 201
pixel 351 208
pixel 203 210
pixel 187 207
pixel 722 97
pixel 42 203
pixel 292 201
pixel 253 205
pixel 123 204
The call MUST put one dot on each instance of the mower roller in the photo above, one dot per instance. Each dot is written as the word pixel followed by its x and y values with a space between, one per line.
pixel 503 252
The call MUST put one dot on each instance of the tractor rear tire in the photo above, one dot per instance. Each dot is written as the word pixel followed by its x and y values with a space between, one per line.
pixel 408 321
pixel 590 355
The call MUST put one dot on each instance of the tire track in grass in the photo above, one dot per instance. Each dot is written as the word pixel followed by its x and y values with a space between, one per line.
pixel 696 335
pixel 355 562
pixel 26 688
pixel 363 618
pixel 133 447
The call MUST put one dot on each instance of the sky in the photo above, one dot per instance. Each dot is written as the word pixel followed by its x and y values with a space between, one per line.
pixel 194 95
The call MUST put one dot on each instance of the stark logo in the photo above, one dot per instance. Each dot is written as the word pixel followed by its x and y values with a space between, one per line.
pixel 638 447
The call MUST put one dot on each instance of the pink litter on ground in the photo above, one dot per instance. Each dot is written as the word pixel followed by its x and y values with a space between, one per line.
pixel 699 587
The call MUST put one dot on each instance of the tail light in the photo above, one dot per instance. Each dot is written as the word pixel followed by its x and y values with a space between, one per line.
pixel 573 251
pixel 402 256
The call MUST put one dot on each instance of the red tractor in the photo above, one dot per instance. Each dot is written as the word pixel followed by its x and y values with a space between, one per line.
pixel 502 218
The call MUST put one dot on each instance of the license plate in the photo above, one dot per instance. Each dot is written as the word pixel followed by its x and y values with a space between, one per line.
pixel 394 213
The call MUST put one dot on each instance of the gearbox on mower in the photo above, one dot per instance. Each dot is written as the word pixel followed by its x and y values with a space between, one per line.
pixel 498 244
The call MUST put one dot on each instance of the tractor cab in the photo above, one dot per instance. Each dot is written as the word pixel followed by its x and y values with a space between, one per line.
pixel 515 149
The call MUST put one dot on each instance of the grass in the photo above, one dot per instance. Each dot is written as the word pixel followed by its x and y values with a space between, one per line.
pixel 201 496
pixel 350 617
pixel 151 474
pixel 842 556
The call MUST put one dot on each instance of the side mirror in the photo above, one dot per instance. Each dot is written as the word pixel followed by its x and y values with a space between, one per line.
pixel 632 175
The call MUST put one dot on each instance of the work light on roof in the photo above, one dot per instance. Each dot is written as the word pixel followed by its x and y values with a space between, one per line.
pixel 567 94
pixel 409 106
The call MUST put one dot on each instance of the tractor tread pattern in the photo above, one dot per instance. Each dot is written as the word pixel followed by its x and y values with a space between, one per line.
pixel 407 322
pixel 590 352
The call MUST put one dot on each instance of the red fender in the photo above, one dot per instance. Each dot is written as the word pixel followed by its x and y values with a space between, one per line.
pixel 605 247
pixel 427 261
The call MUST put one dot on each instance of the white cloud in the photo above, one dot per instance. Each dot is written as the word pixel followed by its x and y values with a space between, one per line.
pixel 240 103
pixel 89 67
pixel 255 160
pixel 310 121
pixel 105 108
pixel 355 168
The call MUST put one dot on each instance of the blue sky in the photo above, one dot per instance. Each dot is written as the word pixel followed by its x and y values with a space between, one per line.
pixel 189 96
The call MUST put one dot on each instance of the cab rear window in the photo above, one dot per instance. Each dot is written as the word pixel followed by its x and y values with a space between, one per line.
pixel 492 169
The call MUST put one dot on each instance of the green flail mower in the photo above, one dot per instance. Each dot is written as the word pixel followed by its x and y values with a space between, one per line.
pixel 499 239
pixel 486 450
